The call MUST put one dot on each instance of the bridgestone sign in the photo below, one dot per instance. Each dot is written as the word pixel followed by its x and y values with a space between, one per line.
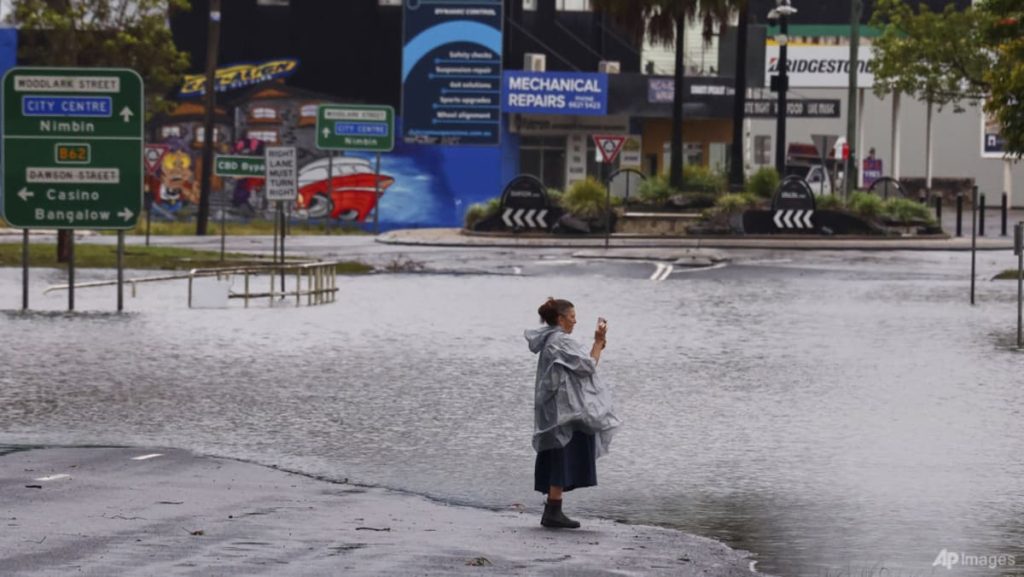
pixel 821 66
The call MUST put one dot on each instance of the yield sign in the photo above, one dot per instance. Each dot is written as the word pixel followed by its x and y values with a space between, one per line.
pixel 152 156
pixel 609 145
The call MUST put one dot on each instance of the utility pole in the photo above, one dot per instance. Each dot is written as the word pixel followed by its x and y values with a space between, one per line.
pixel 212 48
pixel 850 172
pixel 736 173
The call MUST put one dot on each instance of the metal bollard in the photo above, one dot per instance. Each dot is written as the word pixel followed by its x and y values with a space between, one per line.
pixel 959 214
pixel 1005 210
pixel 981 216
pixel 938 210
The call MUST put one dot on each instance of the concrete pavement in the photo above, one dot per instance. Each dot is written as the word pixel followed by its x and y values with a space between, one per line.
pixel 457 237
pixel 166 512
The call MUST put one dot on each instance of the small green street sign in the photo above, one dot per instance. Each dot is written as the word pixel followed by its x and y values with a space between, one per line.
pixel 352 127
pixel 239 166
pixel 72 148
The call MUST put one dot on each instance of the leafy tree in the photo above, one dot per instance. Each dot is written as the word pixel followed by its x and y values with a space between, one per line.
pixel 664 21
pixel 104 33
pixel 937 57
pixel 1004 37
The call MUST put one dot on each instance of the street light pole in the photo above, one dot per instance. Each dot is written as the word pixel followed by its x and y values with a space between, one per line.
pixel 782 11
pixel 783 85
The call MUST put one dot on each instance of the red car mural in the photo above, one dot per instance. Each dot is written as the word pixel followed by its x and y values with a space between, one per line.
pixel 353 194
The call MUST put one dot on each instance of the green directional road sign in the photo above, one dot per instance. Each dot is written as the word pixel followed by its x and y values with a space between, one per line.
pixel 72 148
pixel 350 127
pixel 239 166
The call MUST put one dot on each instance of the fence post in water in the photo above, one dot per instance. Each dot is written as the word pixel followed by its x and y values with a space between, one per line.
pixel 959 214
pixel 974 237
pixel 981 216
pixel 1018 249
pixel 1005 210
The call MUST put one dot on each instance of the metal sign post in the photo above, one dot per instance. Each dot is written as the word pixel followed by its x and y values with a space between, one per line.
pixel 120 270
pixel 280 216
pixel 376 192
pixel 609 146
pixel 24 269
pixel 71 271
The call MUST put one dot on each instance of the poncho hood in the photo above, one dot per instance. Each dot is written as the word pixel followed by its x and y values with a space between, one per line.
pixel 538 336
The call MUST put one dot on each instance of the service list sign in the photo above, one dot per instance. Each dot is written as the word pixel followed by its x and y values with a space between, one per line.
pixel 451 72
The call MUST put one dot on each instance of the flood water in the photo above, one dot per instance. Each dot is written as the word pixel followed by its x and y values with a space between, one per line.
pixel 847 415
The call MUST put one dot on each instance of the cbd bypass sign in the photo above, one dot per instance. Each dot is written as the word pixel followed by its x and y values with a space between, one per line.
pixel 72 148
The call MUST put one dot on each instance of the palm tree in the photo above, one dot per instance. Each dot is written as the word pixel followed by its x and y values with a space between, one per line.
pixel 664 21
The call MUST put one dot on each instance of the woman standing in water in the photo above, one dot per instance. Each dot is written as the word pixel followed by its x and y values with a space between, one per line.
pixel 573 415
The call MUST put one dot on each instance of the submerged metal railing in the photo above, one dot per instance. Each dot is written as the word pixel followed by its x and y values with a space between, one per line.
pixel 319 278
pixel 321 281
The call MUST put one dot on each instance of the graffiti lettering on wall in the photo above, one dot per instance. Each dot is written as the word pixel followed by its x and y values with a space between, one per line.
pixel 239 76
pixel 418 185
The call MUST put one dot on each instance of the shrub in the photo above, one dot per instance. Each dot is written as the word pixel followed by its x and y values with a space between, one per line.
pixel 555 196
pixel 828 202
pixel 866 204
pixel 730 203
pixel 479 211
pixel 906 210
pixel 585 199
pixel 698 178
pixel 655 190
pixel 764 182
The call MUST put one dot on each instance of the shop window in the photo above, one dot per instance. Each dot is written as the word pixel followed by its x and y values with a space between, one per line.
pixel 389 2
pixel 718 157
pixel 173 131
pixel 530 5
pixel 267 136
pixel 762 149
pixel 543 158
pixel 199 136
pixel 307 114
pixel 283 3
pixel 572 5
pixel 261 114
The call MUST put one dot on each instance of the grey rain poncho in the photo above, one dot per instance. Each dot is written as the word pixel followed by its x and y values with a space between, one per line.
pixel 569 396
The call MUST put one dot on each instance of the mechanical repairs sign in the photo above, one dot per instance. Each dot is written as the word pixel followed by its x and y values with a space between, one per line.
pixel 451 72
pixel 569 93
pixel 72 148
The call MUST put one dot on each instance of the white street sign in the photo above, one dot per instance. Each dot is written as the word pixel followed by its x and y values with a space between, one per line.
pixel 282 171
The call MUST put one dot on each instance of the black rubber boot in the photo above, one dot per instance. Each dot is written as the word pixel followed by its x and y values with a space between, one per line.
pixel 554 518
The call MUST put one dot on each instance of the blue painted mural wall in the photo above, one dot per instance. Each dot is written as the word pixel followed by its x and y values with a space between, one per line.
pixel 435 184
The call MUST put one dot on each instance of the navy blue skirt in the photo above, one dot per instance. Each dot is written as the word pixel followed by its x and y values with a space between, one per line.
pixel 570 467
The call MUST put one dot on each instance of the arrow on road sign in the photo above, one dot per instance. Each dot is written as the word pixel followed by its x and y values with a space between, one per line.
pixel 25 194
pixel 126 214
pixel 524 218
pixel 326 132
pixel 126 113
pixel 609 146
pixel 793 219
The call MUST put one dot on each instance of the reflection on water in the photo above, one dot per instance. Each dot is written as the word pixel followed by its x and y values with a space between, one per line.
pixel 836 420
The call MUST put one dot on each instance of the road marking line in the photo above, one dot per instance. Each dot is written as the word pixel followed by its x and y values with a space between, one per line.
pixel 657 272
pixel 668 271
pixel 54 477
pixel 703 268
pixel 146 457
